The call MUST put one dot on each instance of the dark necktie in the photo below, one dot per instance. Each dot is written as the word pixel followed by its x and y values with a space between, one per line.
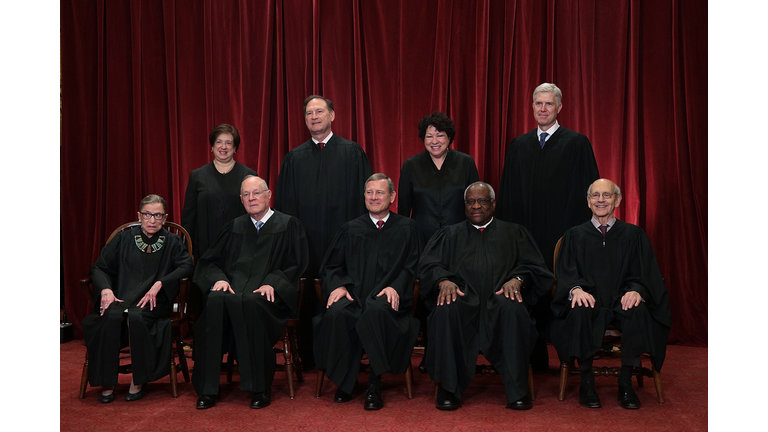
pixel 603 229
pixel 543 139
pixel 321 145
pixel 380 224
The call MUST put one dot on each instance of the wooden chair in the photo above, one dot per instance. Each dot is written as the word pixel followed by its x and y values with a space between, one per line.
pixel 611 348
pixel 364 367
pixel 178 316
pixel 290 349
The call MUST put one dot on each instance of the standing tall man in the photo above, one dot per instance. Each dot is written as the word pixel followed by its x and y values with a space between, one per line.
pixel 368 276
pixel 546 172
pixel 477 286
pixel 321 183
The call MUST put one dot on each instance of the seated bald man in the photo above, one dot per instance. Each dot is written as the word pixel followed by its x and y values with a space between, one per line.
pixel 607 274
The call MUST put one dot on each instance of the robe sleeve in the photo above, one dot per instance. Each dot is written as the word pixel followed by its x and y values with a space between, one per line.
pixel 210 268
pixel 189 213
pixel 334 267
pixel 182 267
pixel 568 275
pixel 105 269
pixel 285 278
pixel 530 267
pixel 433 267
pixel 647 281
pixel 405 191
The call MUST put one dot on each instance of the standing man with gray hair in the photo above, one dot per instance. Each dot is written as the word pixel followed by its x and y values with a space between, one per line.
pixel 546 172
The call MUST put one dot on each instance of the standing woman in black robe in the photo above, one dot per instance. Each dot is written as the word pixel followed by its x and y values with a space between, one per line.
pixel 137 271
pixel 432 183
pixel 213 196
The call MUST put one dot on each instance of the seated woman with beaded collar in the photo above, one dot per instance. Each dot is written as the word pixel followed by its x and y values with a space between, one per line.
pixel 137 272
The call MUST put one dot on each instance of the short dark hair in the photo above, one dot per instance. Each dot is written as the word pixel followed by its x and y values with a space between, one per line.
pixel 222 129
pixel 153 199
pixel 309 98
pixel 440 121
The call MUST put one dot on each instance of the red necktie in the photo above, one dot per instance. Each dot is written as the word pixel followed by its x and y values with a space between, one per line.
pixel 603 229
pixel 481 229
pixel 321 145
pixel 380 224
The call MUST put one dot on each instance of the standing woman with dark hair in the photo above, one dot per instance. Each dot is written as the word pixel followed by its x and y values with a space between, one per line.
pixel 213 196
pixel 432 183
pixel 138 271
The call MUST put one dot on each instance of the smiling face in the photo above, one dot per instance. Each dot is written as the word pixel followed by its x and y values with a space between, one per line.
pixel 255 197
pixel 482 208
pixel 378 198
pixel 545 109
pixel 602 200
pixel 318 118
pixel 151 226
pixel 436 142
pixel 223 148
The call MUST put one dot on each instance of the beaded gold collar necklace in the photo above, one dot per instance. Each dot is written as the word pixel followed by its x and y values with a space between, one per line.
pixel 147 248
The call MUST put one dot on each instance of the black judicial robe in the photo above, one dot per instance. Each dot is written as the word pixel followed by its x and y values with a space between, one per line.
pixel 130 273
pixel 212 199
pixel 480 263
pixel 435 197
pixel 366 260
pixel 247 259
pixel 626 263
pixel 545 189
pixel 324 189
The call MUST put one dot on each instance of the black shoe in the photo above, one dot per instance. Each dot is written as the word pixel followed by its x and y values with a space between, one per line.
pixel 447 401
pixel 261 400
pixel 107 399
pixel 588 396
pixel 342 397
pixel 206 401
pixel 524 403
pixel 373 399
pixel 136 396
pixel 627 397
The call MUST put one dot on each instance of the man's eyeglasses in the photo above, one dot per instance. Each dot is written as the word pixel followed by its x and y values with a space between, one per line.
pixel 606 195
pixel 482 201
pixel 255 193
pixel 148 216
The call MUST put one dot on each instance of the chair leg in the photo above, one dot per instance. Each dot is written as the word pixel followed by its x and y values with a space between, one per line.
pixel 84 378
pixel 295 354
pixel 174 378
pixel 181 355
pixel 563 380
pixel 409 381
pixel 319 384
pixel 288 363
pixel 659 387
pixel 530 383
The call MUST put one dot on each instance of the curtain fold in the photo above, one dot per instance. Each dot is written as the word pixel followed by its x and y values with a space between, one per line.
pixel 144 82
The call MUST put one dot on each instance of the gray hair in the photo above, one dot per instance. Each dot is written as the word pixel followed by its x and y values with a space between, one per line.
pixel 493 194
pixel 380 176
pixel 263 182
pixel 616 190
pixel 549 88
pixel 153 199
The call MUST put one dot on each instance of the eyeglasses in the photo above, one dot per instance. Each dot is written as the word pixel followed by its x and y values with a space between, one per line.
pixel 148 216
pixel 482 201
pixel 256 193
pixel 605 195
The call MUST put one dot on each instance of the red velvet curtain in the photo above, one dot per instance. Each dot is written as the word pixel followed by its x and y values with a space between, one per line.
pixel 144 82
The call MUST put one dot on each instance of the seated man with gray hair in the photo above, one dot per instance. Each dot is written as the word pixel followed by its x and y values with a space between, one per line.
pixel 368 275
pixel 607 274
pixel 478 278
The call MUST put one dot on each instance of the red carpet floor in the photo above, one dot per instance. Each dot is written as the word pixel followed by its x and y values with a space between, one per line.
pixel 685 390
